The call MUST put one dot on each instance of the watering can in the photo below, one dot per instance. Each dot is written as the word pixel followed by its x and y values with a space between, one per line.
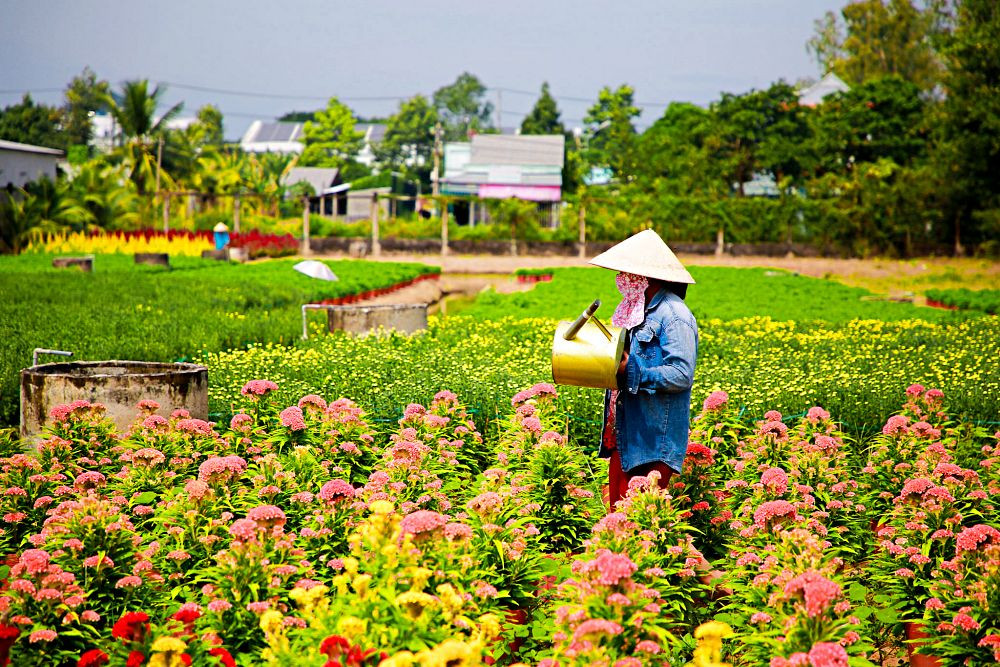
pixel 586 353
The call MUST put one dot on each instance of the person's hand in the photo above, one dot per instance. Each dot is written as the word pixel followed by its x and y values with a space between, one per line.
pixel 620 373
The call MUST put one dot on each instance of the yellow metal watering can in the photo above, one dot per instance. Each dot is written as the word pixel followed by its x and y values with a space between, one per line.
pixel 586 353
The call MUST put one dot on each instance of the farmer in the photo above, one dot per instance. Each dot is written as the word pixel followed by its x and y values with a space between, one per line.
pixel 646 418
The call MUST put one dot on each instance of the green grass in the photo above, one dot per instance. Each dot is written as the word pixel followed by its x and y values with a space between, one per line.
pixel 720 293
pixel 128 311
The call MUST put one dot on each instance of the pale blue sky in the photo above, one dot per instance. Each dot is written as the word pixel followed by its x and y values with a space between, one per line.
pixel 683 50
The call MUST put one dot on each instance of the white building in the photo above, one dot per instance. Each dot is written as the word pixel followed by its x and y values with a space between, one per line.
pixel 21 164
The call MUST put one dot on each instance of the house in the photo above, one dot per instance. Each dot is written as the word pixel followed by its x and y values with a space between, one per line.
pixel 329 191
pixel 21 164
pixel 273 137
pixel 374 134
pixel 497 166
pixel 828 85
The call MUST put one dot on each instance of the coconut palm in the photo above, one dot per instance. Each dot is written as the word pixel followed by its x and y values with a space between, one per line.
pixel 135 112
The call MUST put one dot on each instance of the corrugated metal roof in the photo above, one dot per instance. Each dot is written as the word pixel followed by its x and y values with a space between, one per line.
pixel 277 131
pixel 320 178
pixel 374 132
pixel 828 85
pixel 29 148
pixel 524 149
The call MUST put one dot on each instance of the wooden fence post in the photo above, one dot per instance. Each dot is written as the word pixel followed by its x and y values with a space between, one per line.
pixel 444 229
pixel 376 246
pixel 236 213
pixel 166 213
pixel 582 221
pixel 306 249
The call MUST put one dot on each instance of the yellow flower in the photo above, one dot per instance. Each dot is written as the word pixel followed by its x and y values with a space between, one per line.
pixel 709 650
pixel 490 625
pixel 415 602
pixel 271 621
pixel 401 659
pixel 451 653
pixel 351 626
pixel 168 645
pixel 351 565
pixel 381 507
pixel 361 584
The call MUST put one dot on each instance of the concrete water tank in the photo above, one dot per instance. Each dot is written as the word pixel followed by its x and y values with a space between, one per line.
pixel 119 385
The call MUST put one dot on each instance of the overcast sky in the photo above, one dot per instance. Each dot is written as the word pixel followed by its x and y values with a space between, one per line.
pixel 294 54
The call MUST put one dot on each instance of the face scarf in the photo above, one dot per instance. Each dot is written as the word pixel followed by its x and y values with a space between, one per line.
pixel 632 309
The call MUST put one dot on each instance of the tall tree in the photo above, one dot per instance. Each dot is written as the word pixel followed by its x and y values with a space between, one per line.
pixel 208 128
pixel 544 116
pixel 331 140
pixel 968 152
pixel 30 123
pixel 611 136
pixel 673 151
pixel 880 119
pixel 136 112
pixel 141 128
pixel 462 107
pixel 879 38
pixel 409 141
pixel 85 94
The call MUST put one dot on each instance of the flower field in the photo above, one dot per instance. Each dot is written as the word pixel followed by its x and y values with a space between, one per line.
pixel 305 533
pixel 129 311
pixel 854 369
pixel 986 300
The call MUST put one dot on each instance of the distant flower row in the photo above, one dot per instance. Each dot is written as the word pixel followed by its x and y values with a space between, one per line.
pixel 174 242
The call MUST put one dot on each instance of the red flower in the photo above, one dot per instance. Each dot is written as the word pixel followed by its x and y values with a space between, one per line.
pixel 187 617
pixel 186 659
pixel 95 657
pixel 334 646
pixel 224 656
pixel 135 659
pixel 8 635
pixel 133 626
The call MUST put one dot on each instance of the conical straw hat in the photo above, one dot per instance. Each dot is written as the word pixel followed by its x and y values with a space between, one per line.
pixel 645 254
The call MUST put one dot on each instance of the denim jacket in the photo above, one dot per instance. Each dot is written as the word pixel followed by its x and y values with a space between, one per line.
pixel 654 407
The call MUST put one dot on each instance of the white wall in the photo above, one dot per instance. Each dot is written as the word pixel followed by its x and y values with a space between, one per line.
pixel 19 167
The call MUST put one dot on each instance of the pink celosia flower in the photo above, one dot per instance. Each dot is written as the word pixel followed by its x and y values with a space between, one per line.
pixel 243 529
pixel 312 401
pixel 827 654
pixel 240 422
pixel 42 636
pixel 221 469
pixel 774 509
pixel 155 423
pixel 292 419
pixel 219 605
pixel 89 480
pixel 715 401
pixel 970 538
pixel 965 622
pixel 422 521
pixel 197 489
pixel 760 617
pixel 148 457
pixel 336 489
pixel 258 388
pixel 129 582
pixel 775 480
pixel 934 603
pixel 596 626
pixel 896 425
pixel 258 607
pixel 457 531
pixel 914 390
pixel 610 567
pixel 267 516
pixel 818 591
pixel 817 414
pixel 774 428
pixel 485 590
pixel 90 616
pixel 648 646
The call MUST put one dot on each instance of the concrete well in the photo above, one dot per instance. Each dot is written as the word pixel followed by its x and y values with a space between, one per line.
pixel 405 318
pixel 119 385
pixel 153 258
pixel 85 264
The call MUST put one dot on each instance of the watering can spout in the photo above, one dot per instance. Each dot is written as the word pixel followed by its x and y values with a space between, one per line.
pixel 574 328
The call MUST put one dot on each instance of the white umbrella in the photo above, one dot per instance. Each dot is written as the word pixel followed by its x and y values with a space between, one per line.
pixel 315 269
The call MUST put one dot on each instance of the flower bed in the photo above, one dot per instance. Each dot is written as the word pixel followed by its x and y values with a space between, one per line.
pixel 379 291
pixel 174 242
pixel 307 534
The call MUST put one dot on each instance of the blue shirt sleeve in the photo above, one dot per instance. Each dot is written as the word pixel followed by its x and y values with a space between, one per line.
pixel 679 345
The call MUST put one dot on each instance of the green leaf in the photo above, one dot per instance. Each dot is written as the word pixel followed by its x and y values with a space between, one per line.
pixel 144 498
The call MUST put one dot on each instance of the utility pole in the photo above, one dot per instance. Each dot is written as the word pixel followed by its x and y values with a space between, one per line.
pixel 435 186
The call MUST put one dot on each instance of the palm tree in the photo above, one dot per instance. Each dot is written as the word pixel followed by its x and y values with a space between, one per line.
pixel 135 113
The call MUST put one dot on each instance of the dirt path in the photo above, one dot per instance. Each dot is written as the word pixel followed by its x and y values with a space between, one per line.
pixel 886 276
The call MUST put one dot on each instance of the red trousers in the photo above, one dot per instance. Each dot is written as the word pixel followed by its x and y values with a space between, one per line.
pixel 618 479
